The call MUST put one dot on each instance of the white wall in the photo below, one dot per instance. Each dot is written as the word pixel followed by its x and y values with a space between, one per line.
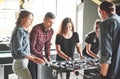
pixel 90 14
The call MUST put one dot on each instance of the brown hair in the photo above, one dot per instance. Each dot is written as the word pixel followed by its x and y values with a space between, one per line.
pixel 22 15
pixel 64 24
pixel 107 6
pixel 97 22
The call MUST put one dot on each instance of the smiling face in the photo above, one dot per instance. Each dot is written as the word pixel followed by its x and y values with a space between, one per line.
pixel 27 21
pixel 68 27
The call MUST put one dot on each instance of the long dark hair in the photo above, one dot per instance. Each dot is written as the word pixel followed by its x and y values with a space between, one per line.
pixel 64 24
pixel 22 15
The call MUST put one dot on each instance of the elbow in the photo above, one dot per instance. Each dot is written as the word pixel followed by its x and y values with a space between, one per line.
pixel 59 52
pixel 88 51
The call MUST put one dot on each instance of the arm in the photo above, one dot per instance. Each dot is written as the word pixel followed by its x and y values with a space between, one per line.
pixel 77 45
pixel 48 44
pixel 17 41
pixel 89 52
pixel 106 47
pixel 33 42
pixel 61 54
pixel 47 50
pixel 35 59
pixel 79 50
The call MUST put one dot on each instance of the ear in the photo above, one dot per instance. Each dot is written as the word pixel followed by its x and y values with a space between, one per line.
pixel 44 19
pixel 103 12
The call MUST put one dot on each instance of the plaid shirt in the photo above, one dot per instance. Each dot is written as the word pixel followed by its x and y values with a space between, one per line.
pixel 39 39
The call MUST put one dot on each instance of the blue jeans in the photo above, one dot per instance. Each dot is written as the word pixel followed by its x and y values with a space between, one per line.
pixel 20 68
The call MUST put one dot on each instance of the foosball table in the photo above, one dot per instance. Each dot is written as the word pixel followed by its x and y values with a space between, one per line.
pixel 74 66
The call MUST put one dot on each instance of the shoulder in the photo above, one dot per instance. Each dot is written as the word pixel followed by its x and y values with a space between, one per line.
pixel 92 33
pixel 75 33
pixel 51 30
pixel 19 29
pixel 36 26
pixel 111 19
pixel 58 38
pixel 58 35
pixel 109 23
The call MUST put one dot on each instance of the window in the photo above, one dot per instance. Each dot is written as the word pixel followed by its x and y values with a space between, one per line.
pixel 61 8
pixel 8 12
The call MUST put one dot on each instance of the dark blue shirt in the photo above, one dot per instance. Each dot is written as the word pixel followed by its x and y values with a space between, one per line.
pixel 109 42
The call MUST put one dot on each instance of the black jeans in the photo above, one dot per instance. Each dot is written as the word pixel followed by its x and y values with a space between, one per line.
pixel 68 75
pixel 33 69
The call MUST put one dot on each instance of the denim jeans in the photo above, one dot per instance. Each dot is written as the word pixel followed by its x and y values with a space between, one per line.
pixel 20 68
pixel 33 67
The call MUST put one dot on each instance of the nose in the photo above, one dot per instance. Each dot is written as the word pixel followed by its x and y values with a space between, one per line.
pixel 51 24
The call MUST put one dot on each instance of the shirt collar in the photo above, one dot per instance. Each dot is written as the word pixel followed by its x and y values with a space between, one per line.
pixel 43 28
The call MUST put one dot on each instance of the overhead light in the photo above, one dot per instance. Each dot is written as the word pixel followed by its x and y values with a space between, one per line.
pixel 97 2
